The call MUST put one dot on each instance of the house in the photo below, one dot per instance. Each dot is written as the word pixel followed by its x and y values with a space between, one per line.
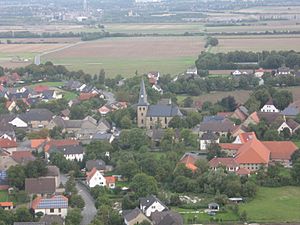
pixel 110 182
pixel 191 71
pixel 253 155
pixel 99 165
pixel 150 116
pixel 52 219
pixel 244 137
pixel 281 151
pixel 70 152
pixel 135 216
pixel 240 113
pixel 22 157
pixel 8 145
pixel 221 128
pixel 230 149
pixel 207 139
pixel 166 217
pixel 236 73
pixel 94 178
pixel 283 71
pixel 4 185
pixel 41 88
pixel 50 95
pixel 37 118
pixel 72 85
pixel 189 159
pixel 19 122
pixel 65 114
pixel 87 96
pixel 55 205
pixel 291 125
pixel 104 110
pixel 11 105
pixel 6 205
pixel 213 207
pixel 269 107
pixel 259 73
pixel 228 163
pixel 7 129
pixel 103 126
pixel 151 204
pixel 53 172
pixel 157 88
pixel 154 75
pixel 40 186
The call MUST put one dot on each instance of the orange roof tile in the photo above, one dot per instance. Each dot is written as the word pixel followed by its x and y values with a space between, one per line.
pixel 243 171
pixel 230 146
pixel 86 96
pixel 280 150
pixel 21 156
pixel 253 152
pixel 245 137
pixel 40 88
pixel 35 143
pixel 191 166
pixel 6 143
pixel 254 117
pixel 228 162
pixel 6 204
pixel 110 180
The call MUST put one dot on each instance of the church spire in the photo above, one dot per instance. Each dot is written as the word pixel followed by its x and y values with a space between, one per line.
pixel 143 95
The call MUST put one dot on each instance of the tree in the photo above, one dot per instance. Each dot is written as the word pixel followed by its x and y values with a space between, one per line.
pixel 74 217
pixel 36 168
pixel 23 215
pixel 143 185
pixel 70 186
pixel 295 156
pixel 77 201
pixel 228 103
pixel 295 172
pixel 16 176
pixel 282 99
pixel 127 168
pixel 188 102
pixel 243 216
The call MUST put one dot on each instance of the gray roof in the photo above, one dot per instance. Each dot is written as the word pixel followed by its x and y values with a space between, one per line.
pixel 68 150
pixel 143 95
pixel 215 126
pixel 37 115
pixel 101 136
pixel 291 111
pixel 41 185
pixel 209 136
pixel 166 218
pixel 215 118
pixel 99 164
pixel 129 215
pixel 149 200
pixel 50 219
pixel 292 124
pixel 244 110
pixel 52 171
pixel 163 111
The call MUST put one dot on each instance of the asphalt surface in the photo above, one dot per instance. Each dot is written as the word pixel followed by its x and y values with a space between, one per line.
pixel 89 211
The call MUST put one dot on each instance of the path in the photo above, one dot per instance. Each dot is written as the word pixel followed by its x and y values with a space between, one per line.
pixel 89 211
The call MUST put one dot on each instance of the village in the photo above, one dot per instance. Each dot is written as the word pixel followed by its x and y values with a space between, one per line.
pixel 140 161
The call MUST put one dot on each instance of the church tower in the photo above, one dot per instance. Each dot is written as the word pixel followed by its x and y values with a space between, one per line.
pixel 142 106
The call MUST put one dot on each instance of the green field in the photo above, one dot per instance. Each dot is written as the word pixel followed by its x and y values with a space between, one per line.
pixel 274 205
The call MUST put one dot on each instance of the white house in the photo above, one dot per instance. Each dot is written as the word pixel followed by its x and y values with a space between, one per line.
pixel 290 124
pixel 56 205
pixel 269 107
pixel 207 139
pixel 19 123
pixel 95 178
pixel 237 73
pixel 151 204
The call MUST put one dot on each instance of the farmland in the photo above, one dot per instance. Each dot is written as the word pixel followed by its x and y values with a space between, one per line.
pixel 257 43
pixel 126 55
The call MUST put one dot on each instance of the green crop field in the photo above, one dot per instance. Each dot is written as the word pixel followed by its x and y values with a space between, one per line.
pixel 274 205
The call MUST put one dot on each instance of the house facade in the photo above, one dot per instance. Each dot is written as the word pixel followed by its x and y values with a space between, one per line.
pixel 151 204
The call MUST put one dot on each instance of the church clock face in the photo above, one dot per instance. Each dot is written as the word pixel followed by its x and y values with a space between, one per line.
pixel 142 96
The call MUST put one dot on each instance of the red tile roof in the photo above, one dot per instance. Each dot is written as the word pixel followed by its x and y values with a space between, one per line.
pixel 110 180
pixel 6 143
pixel 227 162
pixel 224 114
pixel 104 109
pixel 230 146
pixel 90 174
pixel 22 156
pixel 6 204
pixel 243 171
pixel 40 88
pixel 255 117
pixel 86 96
pixel 35 143
pixel 280 150
pixel 253 152
pixel 245 137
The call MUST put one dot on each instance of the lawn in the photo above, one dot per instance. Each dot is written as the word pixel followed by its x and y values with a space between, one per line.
pixel 274 205
pixel 4 196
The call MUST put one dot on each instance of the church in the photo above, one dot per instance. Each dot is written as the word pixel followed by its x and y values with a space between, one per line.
pixel 154 116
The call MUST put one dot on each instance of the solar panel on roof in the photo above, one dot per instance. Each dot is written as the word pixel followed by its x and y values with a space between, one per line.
pixel 55 202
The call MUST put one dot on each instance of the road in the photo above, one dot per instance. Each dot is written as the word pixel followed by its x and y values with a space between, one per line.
pixel 89 211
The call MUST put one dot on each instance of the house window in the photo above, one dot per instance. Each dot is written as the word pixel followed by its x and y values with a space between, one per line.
pixel 59 210
pixel 150 118
pixel 142 121
pixel 51 210
pixel 166 120
pixel 142 114
pixel 144 108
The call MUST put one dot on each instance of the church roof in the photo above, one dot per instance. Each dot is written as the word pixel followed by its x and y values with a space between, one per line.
pixel 143 95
